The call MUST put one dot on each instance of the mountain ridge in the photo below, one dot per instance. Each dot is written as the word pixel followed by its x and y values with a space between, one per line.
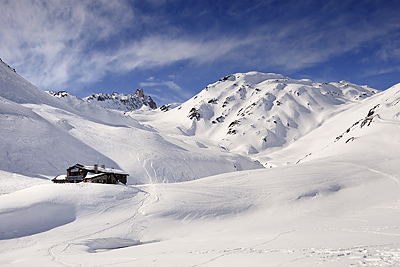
pixel 124 102
pixel 114 101
pixel 256 113
pixel 42 135
pixel 244 117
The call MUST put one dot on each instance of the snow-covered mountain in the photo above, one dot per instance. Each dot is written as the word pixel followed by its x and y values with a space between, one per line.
pixel 240 119
pixel 256 114
pixel 43 135
pixel 369 129
pixel 115 101
pixel 332 200
pixel 124 102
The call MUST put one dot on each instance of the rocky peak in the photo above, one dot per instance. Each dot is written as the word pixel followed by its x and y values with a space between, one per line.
pixel 124 102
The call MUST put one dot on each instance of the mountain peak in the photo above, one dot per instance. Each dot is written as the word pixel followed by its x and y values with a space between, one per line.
pixel 252 77
pixel 124 102
pixel 257 113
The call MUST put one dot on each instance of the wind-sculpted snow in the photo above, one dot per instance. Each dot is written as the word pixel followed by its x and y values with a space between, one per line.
pixel 29 223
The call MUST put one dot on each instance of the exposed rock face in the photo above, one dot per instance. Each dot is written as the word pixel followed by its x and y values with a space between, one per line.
pixel 124 102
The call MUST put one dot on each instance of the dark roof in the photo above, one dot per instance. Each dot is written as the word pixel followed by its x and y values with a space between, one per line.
pixel 105 170
pixel 99 169
pixel 80 166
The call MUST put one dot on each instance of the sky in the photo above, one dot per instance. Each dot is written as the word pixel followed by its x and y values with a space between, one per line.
pixel 175 48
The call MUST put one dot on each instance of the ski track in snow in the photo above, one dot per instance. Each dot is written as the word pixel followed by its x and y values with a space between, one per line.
pixel 56 251
pixel 380 255
pixel 243 250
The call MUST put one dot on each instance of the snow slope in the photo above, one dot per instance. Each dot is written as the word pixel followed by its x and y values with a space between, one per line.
pixel 311 214
pixel 366 132
pixel 256 114
pixel 43 135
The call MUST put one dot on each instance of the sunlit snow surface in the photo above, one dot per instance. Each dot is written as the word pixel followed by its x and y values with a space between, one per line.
pixel 43 135
pixel 329 213
pixel 332 200
pixel 258 114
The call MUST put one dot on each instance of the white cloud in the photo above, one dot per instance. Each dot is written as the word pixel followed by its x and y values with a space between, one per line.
pixel 302 44
pixel 169 84
pixel 59 43
pixel 380 71
pixel 167 91
pixel 160 50
pixel 51 40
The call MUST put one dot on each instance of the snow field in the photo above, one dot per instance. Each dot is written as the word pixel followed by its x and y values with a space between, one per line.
pixel 331 214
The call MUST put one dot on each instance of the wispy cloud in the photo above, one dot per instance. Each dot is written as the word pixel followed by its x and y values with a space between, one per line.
pixel 303 43
pixel 163 50
pixel 58 43
pixel 164 89
pixel 169 84
pixel 51 41
pixel 65 44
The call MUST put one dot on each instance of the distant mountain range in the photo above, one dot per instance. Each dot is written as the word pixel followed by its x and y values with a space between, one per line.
pixel 116 101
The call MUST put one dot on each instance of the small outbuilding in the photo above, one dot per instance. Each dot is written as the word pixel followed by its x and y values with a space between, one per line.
pixel 92 174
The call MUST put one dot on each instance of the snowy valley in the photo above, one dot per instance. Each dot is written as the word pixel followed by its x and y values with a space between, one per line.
pixel 257 169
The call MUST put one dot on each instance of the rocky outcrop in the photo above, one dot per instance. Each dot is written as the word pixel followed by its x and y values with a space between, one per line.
pixel 124 102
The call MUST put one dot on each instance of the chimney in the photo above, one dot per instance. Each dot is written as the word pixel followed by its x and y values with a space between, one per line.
pixel 103 166
pixel 96 168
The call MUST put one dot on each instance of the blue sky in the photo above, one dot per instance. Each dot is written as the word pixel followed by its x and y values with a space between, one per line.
pixel 174 48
